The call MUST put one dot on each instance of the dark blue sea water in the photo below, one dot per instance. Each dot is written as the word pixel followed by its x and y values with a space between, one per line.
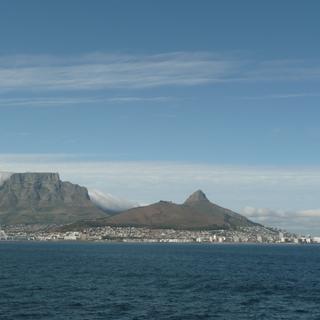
pixel 158 281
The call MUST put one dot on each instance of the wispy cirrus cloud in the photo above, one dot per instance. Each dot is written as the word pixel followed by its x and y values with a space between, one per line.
pixel 65 101
pixel 283 70
pixel 103 71
pixel 39 73
pixel 282 96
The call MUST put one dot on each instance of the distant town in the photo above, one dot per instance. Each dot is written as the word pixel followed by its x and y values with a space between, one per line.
pixel 257 234
pixel 39 206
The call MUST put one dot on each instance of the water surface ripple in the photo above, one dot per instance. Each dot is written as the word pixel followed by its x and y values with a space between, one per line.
pixel 90 281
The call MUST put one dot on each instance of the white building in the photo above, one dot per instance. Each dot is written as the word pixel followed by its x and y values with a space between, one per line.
pixel 3 235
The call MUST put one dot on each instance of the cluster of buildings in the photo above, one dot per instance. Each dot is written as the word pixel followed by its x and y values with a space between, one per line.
pixel 257 234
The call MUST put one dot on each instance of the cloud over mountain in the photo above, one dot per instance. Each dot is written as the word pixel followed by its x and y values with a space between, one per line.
pixel 107 201
pixel 4 176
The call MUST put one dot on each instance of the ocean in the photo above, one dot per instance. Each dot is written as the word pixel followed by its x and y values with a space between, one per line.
pixel 87 281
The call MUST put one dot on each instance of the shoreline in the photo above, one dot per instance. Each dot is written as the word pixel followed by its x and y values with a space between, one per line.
pixel 159 243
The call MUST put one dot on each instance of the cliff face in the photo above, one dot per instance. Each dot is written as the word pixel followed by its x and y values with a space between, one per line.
pixel 43 198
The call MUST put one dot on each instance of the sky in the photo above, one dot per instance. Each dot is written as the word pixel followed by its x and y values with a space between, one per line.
pixel 150 100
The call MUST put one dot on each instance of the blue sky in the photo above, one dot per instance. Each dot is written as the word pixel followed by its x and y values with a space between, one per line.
pixel 226 90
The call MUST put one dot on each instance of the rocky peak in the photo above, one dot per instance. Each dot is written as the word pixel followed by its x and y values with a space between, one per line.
pixel 197 196
pixel 44 198
pixel 35 177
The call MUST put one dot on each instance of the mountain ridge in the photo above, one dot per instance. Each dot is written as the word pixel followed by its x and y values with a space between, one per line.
pixel 197 212
pixel 42 198
pixel 28 198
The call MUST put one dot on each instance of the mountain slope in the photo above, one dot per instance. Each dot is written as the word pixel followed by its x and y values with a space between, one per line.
pixel 29 198
pixel 197 212
pixel 199 202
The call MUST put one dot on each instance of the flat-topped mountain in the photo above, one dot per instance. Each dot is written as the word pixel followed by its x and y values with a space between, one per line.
pixel 197 212
pixel 28 198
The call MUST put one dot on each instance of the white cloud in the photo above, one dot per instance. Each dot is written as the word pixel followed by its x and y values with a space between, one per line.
pixel 65 101
pixel 310 213
pixel 298 221
pixel 110 202
pixel 283 70
pixel 4 176
pixel 36 73
pixel 103 71
pixel 282 96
